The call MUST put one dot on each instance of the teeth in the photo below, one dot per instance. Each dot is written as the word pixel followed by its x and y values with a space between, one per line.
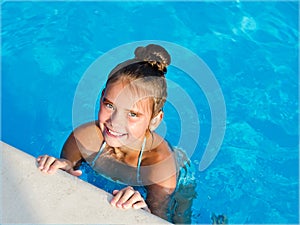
pixel 114 133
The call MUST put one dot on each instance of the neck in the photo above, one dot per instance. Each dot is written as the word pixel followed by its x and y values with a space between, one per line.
pixel 134 149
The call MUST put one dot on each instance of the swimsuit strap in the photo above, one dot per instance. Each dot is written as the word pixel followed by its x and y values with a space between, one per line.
pixel 99 153
pixel 139 159
pixel 139 162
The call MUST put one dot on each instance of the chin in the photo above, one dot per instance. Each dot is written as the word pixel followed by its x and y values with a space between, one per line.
pixel 114 142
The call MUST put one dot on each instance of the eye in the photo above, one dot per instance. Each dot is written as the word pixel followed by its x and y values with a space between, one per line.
pixel 109 106
pixel 132 114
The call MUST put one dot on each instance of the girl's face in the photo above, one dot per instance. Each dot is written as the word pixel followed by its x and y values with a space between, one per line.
pixel 124 116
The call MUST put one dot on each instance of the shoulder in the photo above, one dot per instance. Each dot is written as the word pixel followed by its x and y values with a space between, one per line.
pixel 89 136
pixel 157 150
pixel 90 127
pixel 158 165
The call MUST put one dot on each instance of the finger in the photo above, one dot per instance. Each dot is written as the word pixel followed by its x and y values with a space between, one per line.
pixel 76 173
pixel 48 162
pixel 42 160
pixel 115 192
pixel 141 205
pixel 116 198
pixel 39 158
pixel 125 197
pixel 135 198
pixel 55 166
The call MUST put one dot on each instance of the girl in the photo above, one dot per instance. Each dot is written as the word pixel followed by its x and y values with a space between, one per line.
pixel 122 144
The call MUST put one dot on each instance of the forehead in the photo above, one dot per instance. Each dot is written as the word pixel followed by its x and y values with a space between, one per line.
pixel 128 95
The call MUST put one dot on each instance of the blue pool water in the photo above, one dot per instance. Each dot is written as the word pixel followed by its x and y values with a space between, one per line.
pixel 251 48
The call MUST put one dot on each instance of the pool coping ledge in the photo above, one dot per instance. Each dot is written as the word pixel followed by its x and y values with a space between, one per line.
pixel 32 197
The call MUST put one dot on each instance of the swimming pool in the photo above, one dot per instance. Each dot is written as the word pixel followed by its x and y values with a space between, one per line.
pixel 251 48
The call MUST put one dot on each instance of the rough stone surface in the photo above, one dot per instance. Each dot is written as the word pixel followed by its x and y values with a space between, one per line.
pixel 29 196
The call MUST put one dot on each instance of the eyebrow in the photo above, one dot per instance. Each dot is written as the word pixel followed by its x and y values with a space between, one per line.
pixel 106 100
pixel 128 110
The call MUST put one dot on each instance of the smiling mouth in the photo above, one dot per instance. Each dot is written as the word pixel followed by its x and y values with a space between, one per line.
pixel 114 133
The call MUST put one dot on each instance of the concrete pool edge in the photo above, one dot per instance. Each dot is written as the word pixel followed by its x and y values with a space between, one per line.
pixel 31 197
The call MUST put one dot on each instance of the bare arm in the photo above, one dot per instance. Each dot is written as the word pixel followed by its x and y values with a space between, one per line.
pixel 84 137
pixel 158 174
pixel 162 181
pixel 70 159
pixel 82 141
pixel 71 151
pixel 158 199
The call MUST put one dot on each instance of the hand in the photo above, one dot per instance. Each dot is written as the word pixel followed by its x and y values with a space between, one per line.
pixel 128 198
pixel 50 165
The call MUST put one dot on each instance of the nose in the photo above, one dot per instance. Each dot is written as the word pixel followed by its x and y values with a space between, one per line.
pixel 117 120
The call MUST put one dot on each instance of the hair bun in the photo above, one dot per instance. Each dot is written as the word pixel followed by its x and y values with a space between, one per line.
pixel 155 55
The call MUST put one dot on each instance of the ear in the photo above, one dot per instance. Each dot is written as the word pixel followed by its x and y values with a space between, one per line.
pixel 156 120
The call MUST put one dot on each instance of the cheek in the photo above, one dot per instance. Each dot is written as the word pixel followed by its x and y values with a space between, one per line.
pixel 103 115
pixel 138 128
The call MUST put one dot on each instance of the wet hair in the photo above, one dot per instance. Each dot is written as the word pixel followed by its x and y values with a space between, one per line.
pixel 145 73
